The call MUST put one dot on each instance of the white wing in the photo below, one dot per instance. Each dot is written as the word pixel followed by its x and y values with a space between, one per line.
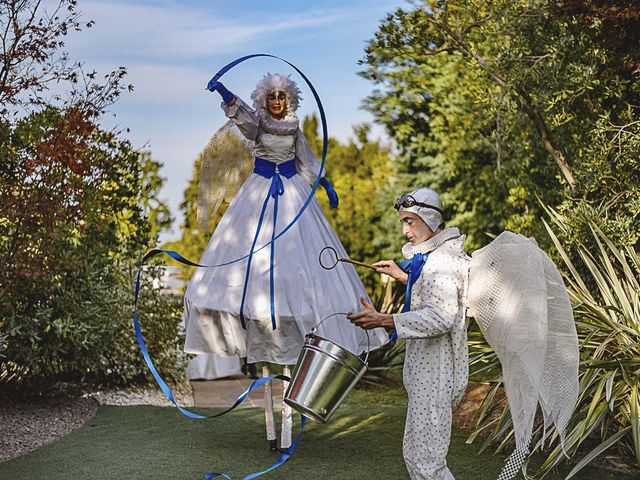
pixel 225 163
pixel 519 300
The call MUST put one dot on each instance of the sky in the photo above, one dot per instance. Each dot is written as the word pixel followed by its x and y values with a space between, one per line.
pixel 172 48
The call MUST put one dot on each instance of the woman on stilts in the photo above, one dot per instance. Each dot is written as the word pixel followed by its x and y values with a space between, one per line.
pixel 262 307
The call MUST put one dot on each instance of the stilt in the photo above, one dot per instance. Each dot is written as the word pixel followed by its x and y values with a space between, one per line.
pixel 285 438
pixel 268 411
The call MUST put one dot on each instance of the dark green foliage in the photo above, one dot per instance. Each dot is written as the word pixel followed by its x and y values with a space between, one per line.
pixel 499 105
pixel 362 173
pixel 73 226
pixel 606 420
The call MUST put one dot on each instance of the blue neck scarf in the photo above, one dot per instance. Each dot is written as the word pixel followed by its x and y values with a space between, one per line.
pixel 414 268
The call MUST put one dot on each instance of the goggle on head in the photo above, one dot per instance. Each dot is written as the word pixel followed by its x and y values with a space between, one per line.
pixel 407 201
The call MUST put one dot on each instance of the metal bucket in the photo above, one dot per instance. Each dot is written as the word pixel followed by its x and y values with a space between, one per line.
pixel 323 376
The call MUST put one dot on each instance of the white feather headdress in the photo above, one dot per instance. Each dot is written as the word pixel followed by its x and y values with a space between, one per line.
pixel 276 82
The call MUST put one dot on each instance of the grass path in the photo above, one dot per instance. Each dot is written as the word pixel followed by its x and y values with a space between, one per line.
pixel 363 441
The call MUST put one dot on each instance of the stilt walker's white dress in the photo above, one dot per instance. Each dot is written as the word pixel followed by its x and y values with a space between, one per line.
pixel 208 366
pixel 304 293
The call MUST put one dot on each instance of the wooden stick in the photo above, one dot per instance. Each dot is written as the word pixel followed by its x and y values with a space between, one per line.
pixel 356 262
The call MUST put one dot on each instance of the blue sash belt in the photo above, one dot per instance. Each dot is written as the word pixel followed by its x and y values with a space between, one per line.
pixel 268 169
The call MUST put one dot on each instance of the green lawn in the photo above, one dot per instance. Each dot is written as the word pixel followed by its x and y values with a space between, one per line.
pixel 362 441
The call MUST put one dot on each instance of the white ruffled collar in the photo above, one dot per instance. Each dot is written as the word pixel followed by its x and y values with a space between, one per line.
pixel 430 245
pixel 287 126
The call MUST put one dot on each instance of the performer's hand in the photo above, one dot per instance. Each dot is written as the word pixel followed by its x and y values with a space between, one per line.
pixel 392 269
pixel 227 96
pixel 370 317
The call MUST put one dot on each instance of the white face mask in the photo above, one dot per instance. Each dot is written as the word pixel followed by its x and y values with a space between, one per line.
pixel 277 103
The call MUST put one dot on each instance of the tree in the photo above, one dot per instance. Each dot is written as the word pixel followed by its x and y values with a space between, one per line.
pixel 32 38
pixel 500 105
pixel 362 173
pixel 78 206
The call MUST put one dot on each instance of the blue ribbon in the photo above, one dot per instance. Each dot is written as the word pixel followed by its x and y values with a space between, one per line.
pixel 270 170
pixel 284 456
pixel 332 195
pixel 325 146
pixel 176 256
pixel 165 388
pixel 167 391
pixel 414 268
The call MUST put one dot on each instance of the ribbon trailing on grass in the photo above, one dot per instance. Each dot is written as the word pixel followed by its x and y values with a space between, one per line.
pixel 167 391
pixel 176 256
pixel 284 456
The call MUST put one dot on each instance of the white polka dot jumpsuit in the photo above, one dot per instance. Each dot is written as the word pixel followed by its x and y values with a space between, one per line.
pixel 436 363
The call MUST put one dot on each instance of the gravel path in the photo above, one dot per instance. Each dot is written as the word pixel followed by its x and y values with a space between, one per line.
pixel 183 394
pixel 24 426
pixel 27 425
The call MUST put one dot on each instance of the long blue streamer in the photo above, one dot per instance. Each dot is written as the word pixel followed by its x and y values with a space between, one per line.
pixel 176 256
pixel 279 189
pixel 251 252
pixel 167 391
pixel 270 170
pixel 165 388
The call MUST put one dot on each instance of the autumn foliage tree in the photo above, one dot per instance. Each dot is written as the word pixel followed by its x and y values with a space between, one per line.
pixel 75 208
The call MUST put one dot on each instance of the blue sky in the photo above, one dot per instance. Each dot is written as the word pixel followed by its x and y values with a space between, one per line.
pixel 171 48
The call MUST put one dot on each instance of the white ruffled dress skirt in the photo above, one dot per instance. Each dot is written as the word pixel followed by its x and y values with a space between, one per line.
pixel 305 293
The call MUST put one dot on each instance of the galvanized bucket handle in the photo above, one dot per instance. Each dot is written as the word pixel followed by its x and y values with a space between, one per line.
pixel 315 328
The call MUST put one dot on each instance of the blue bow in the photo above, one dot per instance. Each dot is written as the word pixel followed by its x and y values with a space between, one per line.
pixel 277 187
pixel 414 268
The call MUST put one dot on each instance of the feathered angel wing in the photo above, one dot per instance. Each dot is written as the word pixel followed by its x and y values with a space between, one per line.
pixel 225 163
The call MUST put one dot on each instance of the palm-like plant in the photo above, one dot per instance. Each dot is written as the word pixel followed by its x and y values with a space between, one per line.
pixel 607 313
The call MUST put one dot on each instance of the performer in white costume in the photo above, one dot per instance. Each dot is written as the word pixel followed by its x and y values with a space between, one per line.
pixel 262 307
pixel 517 296
pixel 436 368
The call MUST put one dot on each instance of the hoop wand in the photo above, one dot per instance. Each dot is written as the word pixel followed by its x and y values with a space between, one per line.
pixel 342 259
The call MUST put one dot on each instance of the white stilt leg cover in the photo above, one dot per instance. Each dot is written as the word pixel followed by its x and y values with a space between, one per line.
pixel 285 436
pixel 268 406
